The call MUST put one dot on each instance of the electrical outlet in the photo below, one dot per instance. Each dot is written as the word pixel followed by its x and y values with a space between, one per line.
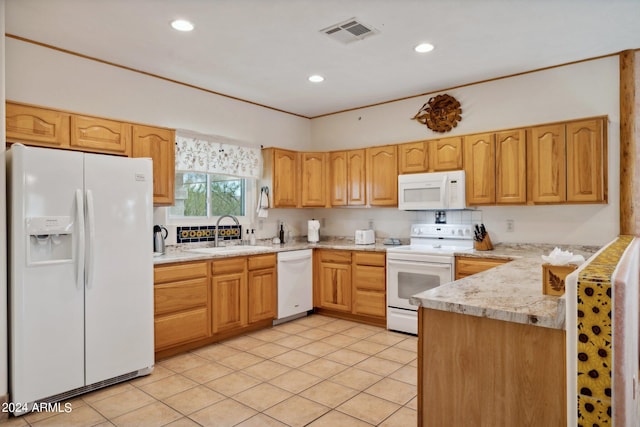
pixel 260 224
pixel 370 224
pixel 510 226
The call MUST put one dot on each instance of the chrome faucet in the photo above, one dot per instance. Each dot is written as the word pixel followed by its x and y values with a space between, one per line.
pixel 215 241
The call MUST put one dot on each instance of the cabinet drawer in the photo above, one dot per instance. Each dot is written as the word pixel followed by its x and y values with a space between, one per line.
pixel 369 258
pixel 177 296
pixel 184 271
pixel 256 262
pixel 368 277
pixel 229 265
pixel 181 327
pixel 468 266
pixel 370 303
pixel 340 257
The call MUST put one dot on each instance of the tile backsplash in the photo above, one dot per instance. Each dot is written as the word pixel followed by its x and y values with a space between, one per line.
pixel 207 233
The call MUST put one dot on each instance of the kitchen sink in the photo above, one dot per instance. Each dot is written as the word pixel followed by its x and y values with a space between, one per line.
pixel 225 250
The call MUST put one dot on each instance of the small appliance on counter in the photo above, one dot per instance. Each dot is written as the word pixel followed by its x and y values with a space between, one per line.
pixel 365 237
pixel 313 231
pixel 159 234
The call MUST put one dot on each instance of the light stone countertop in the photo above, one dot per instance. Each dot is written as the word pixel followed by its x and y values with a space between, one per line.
pixel 511 292
pixel 180 253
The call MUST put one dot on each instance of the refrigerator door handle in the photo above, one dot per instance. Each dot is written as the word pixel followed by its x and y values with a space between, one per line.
pixel 80 225
pixel 91 240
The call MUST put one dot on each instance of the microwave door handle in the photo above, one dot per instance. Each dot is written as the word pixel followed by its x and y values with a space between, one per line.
pixel 444 200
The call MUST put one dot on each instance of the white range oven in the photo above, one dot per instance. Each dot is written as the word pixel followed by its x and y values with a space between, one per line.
pixel 426 263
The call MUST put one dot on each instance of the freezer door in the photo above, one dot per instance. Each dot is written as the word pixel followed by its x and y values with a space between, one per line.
pixel 45 291
pixel 119 266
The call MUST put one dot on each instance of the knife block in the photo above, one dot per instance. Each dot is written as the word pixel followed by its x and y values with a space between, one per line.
pixel 484 245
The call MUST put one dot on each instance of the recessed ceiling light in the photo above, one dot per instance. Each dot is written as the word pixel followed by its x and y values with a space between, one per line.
pixel 316 78
pixel 424 47
pixel 182 25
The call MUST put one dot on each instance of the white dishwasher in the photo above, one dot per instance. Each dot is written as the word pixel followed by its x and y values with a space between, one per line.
pixel 295 283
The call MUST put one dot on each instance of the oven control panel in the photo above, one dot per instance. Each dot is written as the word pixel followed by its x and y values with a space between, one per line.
pixel 447 231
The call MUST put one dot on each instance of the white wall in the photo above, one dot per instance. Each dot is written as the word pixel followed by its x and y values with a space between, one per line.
pixel 42 76
pixel 46 77
pixel 573 91
pixel 4 343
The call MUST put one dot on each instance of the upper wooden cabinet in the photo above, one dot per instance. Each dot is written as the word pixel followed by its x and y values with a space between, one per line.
pixel 511 167
pixel 430 156
pixel 382 176
pixel 347 171
pixel 46 127
pixel 100 135
pixel 446 154
pixel 313 173
pixel 586 161
pixel 413 157
pixel 480 169
pixel 356 177
pixel 37 126
pixel 338 187
pixel 159 145
pixel 546 164
pixel 567 162
pixel 297 179
pixel 281 171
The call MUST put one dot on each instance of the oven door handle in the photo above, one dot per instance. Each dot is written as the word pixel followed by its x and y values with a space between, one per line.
pixel 392 263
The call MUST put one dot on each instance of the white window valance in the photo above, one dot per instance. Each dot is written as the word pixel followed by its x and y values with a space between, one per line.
pixel 217 154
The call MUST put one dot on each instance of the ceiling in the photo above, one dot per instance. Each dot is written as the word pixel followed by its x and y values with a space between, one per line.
pixel 262 51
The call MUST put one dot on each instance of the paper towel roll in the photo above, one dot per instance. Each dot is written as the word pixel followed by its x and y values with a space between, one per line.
pixel 313 231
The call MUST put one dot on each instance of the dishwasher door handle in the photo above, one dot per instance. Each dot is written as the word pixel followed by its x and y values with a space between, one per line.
pixel 296 259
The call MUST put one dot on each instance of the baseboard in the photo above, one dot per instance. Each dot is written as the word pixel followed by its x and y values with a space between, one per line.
pixel 3 404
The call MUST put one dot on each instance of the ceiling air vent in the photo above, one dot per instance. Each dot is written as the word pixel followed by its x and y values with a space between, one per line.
pixel 349 31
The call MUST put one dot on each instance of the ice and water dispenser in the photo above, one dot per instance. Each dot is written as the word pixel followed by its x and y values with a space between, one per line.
pixel 50 240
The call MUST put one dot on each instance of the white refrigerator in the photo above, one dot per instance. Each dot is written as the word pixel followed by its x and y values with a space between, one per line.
pixel 80 272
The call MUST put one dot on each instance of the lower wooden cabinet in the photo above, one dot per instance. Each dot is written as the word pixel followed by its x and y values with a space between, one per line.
pixel 197 303
pixel 228 293
pixel 466 266
pixel 476 371
pixel 181 304
pixel 369 284
pixel 262 288
pixel 334 279
pixel 351 284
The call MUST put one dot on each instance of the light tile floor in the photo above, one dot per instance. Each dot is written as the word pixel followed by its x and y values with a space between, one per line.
pixel 316 371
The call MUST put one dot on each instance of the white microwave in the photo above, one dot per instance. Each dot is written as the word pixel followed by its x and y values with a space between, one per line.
pixel 431 191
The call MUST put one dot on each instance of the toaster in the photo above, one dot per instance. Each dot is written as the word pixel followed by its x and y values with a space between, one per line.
pixel 365 237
